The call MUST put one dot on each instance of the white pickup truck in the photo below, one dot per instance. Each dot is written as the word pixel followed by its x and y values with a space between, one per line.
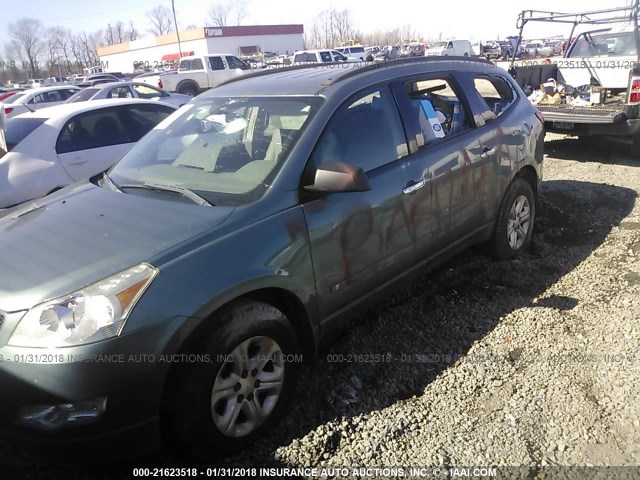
pixel 197 73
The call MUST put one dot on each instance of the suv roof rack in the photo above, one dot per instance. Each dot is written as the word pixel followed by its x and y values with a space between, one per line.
pixel 356 70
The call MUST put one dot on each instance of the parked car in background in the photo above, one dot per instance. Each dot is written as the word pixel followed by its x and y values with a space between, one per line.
pixel 555 45
pixel 90 80
pixel 37 98
pixel 319 56
pixel 453 48
pixel 129 90
pixel 196 74
pixel 355 52
pixel 56 146
pixel 538 49
pixel 9 92
pixel 230 242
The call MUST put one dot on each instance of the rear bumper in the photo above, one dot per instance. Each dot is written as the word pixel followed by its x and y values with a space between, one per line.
pixel 593 121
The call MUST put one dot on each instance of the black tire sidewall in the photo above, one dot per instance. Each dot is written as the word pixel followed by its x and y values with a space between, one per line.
pixel 499 242
pixel 192 421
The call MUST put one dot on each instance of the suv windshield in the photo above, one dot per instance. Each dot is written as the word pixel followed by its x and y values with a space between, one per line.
pixel 604 45
pixel 227 150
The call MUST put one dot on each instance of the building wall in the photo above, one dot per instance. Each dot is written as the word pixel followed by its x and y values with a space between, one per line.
pixel 150 55
pixel 267 43
pixel 201 41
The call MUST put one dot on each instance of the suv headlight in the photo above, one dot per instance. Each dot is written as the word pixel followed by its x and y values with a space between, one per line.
pixel 96 312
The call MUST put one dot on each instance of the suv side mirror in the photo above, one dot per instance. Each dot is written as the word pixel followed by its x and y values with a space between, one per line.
pixel 339 177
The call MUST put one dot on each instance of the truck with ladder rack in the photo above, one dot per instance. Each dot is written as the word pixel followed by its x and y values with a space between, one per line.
pixel 600 68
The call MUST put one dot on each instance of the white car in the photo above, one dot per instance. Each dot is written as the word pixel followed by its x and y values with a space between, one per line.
pixel 60 145
pixel 319 56
pixel 129 90
pixel 355 52
pixel 37 98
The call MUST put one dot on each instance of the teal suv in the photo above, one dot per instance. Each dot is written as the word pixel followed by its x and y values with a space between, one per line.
pixel 176 294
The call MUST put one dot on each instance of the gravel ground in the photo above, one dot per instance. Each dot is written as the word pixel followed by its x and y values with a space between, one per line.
pixel 485 363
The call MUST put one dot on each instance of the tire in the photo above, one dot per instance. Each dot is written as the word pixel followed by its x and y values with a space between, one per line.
pixel 188 89
pixel 508 242
pixel 634 147
pixel 201 402
pixel 466 55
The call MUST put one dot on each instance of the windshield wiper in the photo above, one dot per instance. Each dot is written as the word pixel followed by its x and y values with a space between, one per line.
pixel 111 183
pixel 185 192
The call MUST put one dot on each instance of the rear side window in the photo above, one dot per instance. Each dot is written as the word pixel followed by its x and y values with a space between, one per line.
pixel 366 132
pixel 48 97
pixel 496 92
pixel 216 63
pixel 357 50
pixel 192 64
pixel 304 57
pixel 436 111
pixel 18 129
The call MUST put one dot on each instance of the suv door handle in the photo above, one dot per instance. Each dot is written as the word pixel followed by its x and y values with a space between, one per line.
pixel 487 152
pixel 414 188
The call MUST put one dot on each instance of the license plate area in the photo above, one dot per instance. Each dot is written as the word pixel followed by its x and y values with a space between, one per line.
pixel 564 125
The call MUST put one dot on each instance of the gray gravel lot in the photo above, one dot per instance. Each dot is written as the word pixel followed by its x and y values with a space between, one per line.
pixel 529 362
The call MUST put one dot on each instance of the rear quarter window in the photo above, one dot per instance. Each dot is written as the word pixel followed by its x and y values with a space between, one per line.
pixel 496 92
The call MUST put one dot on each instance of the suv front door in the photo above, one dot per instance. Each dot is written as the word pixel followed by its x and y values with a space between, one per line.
pixel 356 237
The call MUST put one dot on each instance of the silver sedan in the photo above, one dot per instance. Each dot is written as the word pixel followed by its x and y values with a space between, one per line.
pixel 129 90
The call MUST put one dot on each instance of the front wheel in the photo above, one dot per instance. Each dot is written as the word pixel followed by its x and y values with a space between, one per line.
pixel 514 225
pixel 241 384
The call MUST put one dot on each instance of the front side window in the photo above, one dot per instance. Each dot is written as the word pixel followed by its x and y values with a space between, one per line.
pixel 228 150
pixel 366 132
pixel 235 62
pixel 146 91
pixel 120 92
pixel 436 110
pixel 326 56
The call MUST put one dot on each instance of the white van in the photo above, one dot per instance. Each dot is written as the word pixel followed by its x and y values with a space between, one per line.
pixel 355 52
pixel 457 48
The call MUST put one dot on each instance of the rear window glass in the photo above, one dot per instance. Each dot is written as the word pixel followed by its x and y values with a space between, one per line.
pixel 82 95
pixel 19 128
pixel 13 98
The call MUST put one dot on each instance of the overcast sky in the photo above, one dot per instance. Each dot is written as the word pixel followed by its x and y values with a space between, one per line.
pixel 472 19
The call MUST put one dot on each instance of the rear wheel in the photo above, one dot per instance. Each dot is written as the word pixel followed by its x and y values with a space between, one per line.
pixel 189 89
pixel 514 225
pixel 236 396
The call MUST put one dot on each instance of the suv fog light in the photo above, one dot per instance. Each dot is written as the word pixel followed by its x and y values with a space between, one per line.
pixel 55 417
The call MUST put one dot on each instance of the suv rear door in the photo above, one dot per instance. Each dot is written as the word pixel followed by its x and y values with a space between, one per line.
pixel 451 164
pixel 356 237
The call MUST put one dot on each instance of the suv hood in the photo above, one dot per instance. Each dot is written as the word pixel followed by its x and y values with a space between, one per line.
pixel 85 233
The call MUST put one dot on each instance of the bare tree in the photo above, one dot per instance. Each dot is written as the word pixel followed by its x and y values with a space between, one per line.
pixel 161 20
pixel 26 38
pixel 118 32
pixel 222 13
pixel 218 14
pixel 132 32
